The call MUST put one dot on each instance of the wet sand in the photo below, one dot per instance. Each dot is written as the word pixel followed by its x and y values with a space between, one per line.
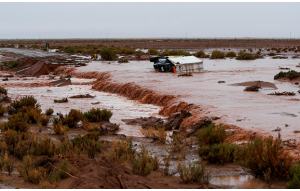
pixel 254 111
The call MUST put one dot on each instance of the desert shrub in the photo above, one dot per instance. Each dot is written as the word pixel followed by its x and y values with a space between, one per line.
pixel 294 172
pixel 175 53
pixel 3 91
pixel 143 163
pixel 97 115
pixel 49 111
pixel 292 74
pixel 201 54
pixel 178 145
pixel 193 173
pixel 108 54
pixel 59 129
pixel 24 102
pixel 32 115
pixel 30 172
pixel 72 118
pixel 17 122
pixel 11 64
pixel 44 120
pixel 41 146
pixel 59 172
pixel 219 153
pixel 266 158
pixel 87 144
pixel 121 151
pixel 8 164
pixel 155 133
pixel 216 54
pixel 2 110
pixel 242 55
pixel 211 134
pixel 231 54
pixel 153 51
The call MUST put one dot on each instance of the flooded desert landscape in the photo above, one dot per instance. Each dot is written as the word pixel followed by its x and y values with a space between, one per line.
pixel 91 100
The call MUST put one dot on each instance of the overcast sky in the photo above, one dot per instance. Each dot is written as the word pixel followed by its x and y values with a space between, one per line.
pixel 149 20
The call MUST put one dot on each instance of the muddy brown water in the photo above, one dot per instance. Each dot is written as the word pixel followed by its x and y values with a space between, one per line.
pixel 252 110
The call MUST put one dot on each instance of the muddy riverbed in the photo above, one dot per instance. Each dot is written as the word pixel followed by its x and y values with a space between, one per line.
pixel 252 110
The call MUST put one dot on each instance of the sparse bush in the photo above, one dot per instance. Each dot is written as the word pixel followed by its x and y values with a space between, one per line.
pixel 242 55
pixel 17 122
pixel 231 54
pixel 266 158
pixel 35 175
pixel 44 120
pixel 108 54
pixel 97 115
pixel 72 119
pixel 33 115
pixel 143 163
pixel 121 151
pixel 219 153
pixel 201 54
pixel 155 133
pixel 153 51
pixel 211 134
pixel 87 144
pixel 59 129
pixel 216 54
pixel 8 164
pixel 291 75
pixel 294 182
pixel 59 172
pixel 3 91
pixel 175 53
pixel 11 64
pixel 24 103
pixel 49 111
pixel 193 173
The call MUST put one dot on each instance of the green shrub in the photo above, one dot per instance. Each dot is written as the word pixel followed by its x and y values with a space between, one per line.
pixel 291 75
pixel 242 55
pixel 72 118
pixel 11 64
pixel 231 54
pixel 87 144
pixel 108 54
pixel 266 158
pixel 153 51
pixel 143 163
pixel 211 134
pixel 3 91
pixel 175 53
pixel 49 111
pixel 201 54
pixel 294 182
pixel 59 173
pixel 216 54
pixel 24 103
pixel 97 115
pixel 219 153
pixel 193 173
